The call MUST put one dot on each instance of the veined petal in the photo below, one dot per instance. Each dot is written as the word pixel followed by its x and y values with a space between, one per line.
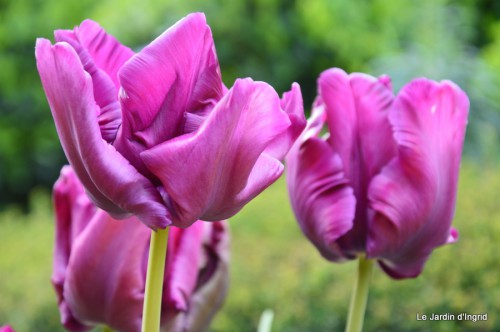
pixel 109 179
pixel 357 107
pixel 174 79
pixel 105 279
pixel 212 173
pixel 413 199
pixel 320 194
pixel 101 55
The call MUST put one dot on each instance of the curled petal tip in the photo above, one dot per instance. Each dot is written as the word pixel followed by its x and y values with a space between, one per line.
pixel 40 42
pixel 293 107
pixel 386 80
pixel 399 272
pixel 453 237
pixel 196 16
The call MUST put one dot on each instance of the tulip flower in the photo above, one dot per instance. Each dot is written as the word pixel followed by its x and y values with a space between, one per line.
pixel 157 134
pixel 6 328
pixel 383 182
pixel 100 267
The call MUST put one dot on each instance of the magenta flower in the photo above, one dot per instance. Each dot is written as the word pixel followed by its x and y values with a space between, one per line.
pixel 383 181
pixel 6 328
pixel 100 267
pixel 157 134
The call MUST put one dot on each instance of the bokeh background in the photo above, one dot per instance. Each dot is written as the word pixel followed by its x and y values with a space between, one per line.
pixel 278 41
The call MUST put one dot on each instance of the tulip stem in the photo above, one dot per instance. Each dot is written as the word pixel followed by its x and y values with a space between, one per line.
pixel 359 296
pixel 154 281
pixel 266 321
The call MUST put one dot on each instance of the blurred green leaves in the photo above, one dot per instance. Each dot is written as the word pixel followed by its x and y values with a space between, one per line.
pixel 278 41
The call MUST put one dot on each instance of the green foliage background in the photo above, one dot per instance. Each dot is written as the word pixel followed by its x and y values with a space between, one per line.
pixel 278 41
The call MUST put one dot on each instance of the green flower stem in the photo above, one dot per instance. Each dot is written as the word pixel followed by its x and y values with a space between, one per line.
pixel 266 321
pixel 106 329
pixel 154 281
pixel 359 296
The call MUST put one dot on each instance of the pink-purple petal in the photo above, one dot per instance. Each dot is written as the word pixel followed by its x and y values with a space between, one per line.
pixel 167 87
pixel 211 276
pixel 6 328
pixel 101 55
pixel 183 261
pixel 414 197
pixel 213 279
pixel 293 105
pixel 212 173
pixel 73 211
pixel 105 278
pixel 453 237
pixel 357 107
pixel 109 179
pixel 320 194
pixel 105 93
pixel 105 51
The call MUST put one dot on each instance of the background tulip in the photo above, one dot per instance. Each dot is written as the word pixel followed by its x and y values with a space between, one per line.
pixel 6 328
pixel 100 267
pixel 157 134
pixel 383 181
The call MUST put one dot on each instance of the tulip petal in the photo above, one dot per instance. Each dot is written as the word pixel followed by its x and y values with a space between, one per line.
pixel 216 249
pixel 104 50
pixel 453 237
pixel 320 194
pixel 414 197
pixel 109 179
pixel 105 95
pixel 357 106
pixel 73 211
pixel 101 55
pixel 293 105
pixel 105 279
pixel 212 173
pixel 167 86
pixel 183 261
pixel 211 282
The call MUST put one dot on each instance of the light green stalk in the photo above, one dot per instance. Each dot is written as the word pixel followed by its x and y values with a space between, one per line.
pixel 154 281
pixel 359 296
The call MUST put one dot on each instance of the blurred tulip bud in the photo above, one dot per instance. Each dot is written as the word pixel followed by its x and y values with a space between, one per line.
pixel 100 267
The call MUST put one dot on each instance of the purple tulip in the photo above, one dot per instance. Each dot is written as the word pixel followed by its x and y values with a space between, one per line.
pixel 6 328
pixel 100 267
pixel 383 182
pixel 157 134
